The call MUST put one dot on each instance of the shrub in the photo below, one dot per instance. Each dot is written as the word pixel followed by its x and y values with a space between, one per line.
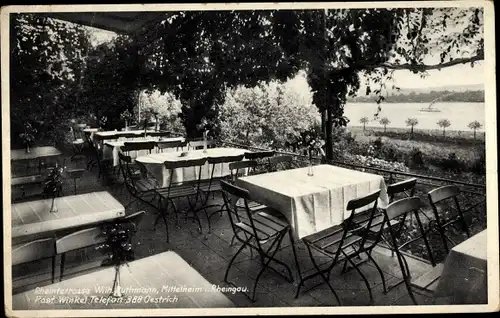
pixel 452 163
pixel 415 158
pixel 375 163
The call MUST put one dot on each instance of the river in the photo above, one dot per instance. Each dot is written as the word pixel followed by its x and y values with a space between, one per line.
pixel 459 114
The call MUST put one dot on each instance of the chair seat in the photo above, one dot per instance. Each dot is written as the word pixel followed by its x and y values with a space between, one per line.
pixel 267 225
pixel 252 205
pixel 205 186
pixel 145 184
pixel 177 191
pixel 328 240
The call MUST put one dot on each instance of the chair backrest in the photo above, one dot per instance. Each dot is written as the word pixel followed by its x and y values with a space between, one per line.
pixel 443 193
pixel 169 165
pixel 144 171
pixel 130 135
pixel 352 229
pixel 402 187
pixel 80 239
pixel 357 203
pixel 403 206
pixel 283 161
pixel 134 218
pixel 165 144
pixel 160 133
pixel 232 194
pixel 254 155
pixel 225 159
pixel 139 145
pixel 197 143
pixel 196 163
pixel 237 167
pixel 124 161
pixel 32 251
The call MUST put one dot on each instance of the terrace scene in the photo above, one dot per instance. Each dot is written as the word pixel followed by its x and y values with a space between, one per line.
pixel 232 159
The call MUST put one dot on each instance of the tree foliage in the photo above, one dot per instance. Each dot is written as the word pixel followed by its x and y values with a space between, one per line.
pixel 267 115
pixel 45 65
pixel 198 55
pixel 112 80
pixel 444 123
pixel 384 122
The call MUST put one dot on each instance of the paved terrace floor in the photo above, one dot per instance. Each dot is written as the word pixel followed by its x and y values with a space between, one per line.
pixel 210 253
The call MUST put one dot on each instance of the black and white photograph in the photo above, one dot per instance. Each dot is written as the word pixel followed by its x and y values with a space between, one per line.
pixel 265 158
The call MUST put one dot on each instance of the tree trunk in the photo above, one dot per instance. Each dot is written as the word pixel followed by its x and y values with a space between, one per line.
pixel 444 132
pixel 329 131
pixel 411 132
pixel 474 134
pixel 364 126
pixel 385 128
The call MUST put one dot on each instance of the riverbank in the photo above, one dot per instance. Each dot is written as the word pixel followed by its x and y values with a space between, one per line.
pixel 436 134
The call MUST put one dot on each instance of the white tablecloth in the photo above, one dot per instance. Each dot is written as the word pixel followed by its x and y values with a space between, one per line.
pixel 464 276
pixel 313 203
pixel 155 164
pixel 111 148
pixel 97 136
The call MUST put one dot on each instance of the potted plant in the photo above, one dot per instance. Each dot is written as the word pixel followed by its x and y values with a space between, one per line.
pixel 118 248
pixel 53 185
pixel 127 117
pixel 28 136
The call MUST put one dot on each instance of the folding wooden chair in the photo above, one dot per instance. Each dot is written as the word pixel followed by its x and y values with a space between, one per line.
pixel 166 144
pixel 34 251
pixel 212 185
pixel 262 231
pixel 181 190
pixel 442 200
pixel 345 242
pixel 394 211
pixel 138 146
pixel 283 162
pixel 77 241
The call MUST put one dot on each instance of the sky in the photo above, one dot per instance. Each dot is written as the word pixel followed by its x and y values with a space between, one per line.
pixel 462 74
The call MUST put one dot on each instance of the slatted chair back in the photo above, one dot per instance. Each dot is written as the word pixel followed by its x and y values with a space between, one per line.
pixel 213 162
pixel 447 210
pixel 336 242
pixel 134 218
pixel 282 162
pixel 34 251
pixel 76 241
pixel 124 161
pixel 197 143
pixel 160 134
pixel 146 175
pixel 139 145
pixel 129 135
pixel 172 165
pixel 240 168
pixel 80 239
pixel 255 155
pixel 166 144
pixel 405 187
pixel 400 207
pixel 231 194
